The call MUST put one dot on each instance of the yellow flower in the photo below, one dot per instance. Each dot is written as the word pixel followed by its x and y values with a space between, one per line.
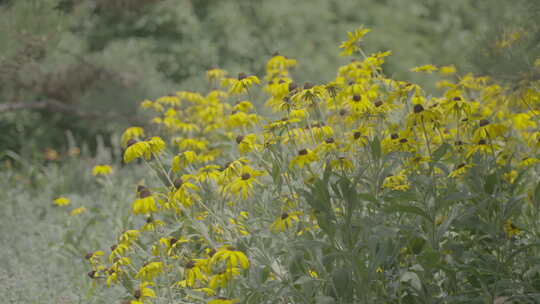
pixel 342 163
pixel 132 133
pixel 241 119
pixel 231 257
pixel 277 67
pixel 150 271
pixel 511 176
pixel 208 173
pixel 285 221
pixel 129 236
pixel 460 170
pixel 191 143
pixel 247 143
pixel 222 278
pixel 242 185
pixel 137 150
pixel 156 145
pixel 447 70
pixel 169 100
pixel 510 229
pixel 144 292
pixel 240 227
pixel 146 203
pixel 428 68
pixel 102 170
pixel 241 84
pixel 215 74
pixel 93 257
pixel 480 146
pixel 185 159
pixel 77 211
pixel 152 224
pixel 194 271
pixel 351 45
pixel 305 156
pixel 243 106
pixel 61 201
pixel 396 182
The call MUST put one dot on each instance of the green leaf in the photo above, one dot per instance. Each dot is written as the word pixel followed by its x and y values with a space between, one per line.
pixel 537 194
pixel 413 279
pixel 409 209
pixel 417 244
pixel 440 152
pixel 375 145
pixel 341 277
pixel 490 182
pixel 367 197
pixel 324 300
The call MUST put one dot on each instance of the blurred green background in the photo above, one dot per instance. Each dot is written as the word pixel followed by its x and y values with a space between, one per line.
pixel 76 69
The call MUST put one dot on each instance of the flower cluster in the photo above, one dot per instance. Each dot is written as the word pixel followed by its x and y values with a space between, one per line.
pixel 228 172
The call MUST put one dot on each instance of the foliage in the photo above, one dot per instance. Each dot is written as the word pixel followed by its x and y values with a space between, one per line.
pixel 360 189
pixel 42 247
pixel 99 57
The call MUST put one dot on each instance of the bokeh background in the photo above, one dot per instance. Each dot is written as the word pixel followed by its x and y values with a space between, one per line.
pixel 82 66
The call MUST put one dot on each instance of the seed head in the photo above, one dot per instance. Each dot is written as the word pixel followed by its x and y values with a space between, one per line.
pixel 246 176
pixel 357 135
pixel 403 140
pixel 378 103
pixel 284 215
pixel 242 76
pixel 329 140
pixel 418 108
pixel 394 136
pixel 190 264
pixel 303 152
pixel 178 183
pixel 131 142
pixel 483 122
pixel 292 86
pixel 356 98
pixel 239 139
pixel 145 193
pixel 308 85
